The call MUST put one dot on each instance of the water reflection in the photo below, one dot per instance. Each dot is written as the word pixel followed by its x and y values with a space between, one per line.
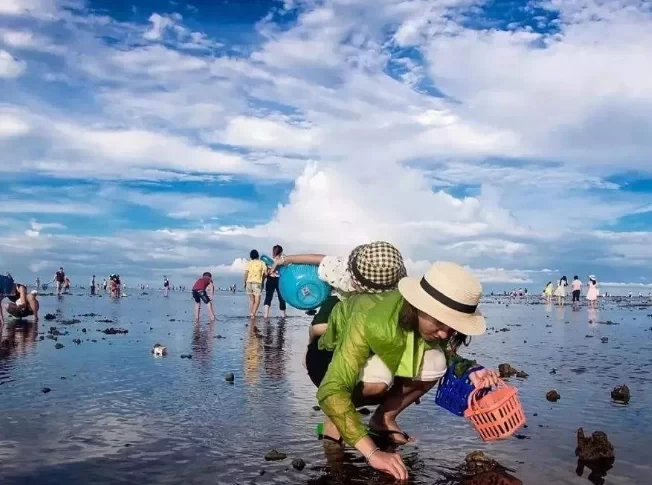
pixel 17 337
pixel 252 354
pixel 274 357
pixel 202 342
pixel 598 470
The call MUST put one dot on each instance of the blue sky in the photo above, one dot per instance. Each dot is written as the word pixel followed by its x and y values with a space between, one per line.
pixel 152 138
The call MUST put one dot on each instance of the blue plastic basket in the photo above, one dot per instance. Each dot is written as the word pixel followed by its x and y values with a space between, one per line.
pixel 453 392
pixel 301 287
pixel 6 285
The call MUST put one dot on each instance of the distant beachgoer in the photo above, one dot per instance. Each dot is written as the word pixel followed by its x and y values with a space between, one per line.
pixel 547 292
pixel 104 284
pixel 560 291
pixel 60 279
pixel 271 286
pixel 391 349
pixel 204 290
pixel 21 303
pixel 38 284
pixel 254 275
pixel 592 292
pixel 93 286
pixel 576 287
pixel 166 286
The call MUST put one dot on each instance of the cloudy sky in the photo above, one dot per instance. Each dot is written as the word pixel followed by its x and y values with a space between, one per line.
pixel 162 137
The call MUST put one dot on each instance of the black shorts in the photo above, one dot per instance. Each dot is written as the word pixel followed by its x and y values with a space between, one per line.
pixel 201 296
pixel 21 311
pixel 576 295
pixel 317 361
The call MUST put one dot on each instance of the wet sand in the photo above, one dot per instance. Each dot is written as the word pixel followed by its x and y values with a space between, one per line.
pixel 117 414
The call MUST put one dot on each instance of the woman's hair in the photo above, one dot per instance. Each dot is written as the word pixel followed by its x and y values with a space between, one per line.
pixel 408 319
pixel 277 250
pixel 563 278
pixel 254 254
pixel 207 275
pixel 593 280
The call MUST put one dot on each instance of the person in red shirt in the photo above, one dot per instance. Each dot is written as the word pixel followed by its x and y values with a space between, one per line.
pixel 200 291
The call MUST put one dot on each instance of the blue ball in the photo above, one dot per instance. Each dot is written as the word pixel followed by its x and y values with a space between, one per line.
pixel 301 287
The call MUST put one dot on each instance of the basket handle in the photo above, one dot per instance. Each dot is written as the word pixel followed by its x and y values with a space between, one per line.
pixel 473 396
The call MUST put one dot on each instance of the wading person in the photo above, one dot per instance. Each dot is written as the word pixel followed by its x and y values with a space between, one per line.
pixel 203 291
pixel 375 267
pixel 21 304
pixel 60 280
pixel 253 279
pixel 391 349
pixel 271 286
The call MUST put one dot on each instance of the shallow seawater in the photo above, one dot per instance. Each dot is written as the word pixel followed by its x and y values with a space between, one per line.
pixel 116 414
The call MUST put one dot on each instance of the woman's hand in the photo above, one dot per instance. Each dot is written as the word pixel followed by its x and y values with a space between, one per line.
pixel 484 378
pixel 390 463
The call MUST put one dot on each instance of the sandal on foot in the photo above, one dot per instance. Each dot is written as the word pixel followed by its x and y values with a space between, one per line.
pixel 386 434
pixel 330 438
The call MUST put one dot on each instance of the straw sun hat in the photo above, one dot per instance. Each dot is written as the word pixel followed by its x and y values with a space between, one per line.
pixel 450 294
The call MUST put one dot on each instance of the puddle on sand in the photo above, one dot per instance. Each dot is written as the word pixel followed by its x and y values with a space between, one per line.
pixel 117 414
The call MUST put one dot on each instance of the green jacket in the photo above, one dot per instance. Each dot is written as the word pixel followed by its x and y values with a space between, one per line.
pixel 359 327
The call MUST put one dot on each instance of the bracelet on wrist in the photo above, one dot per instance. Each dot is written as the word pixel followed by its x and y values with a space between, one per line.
pixel 371 453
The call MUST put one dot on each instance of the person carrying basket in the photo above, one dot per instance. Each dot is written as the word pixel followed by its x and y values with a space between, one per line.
pixel 391 349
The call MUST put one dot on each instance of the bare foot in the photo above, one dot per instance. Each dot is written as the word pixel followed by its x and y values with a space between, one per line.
pixel 387 428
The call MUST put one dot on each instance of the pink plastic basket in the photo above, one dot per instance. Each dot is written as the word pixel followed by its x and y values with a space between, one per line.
pixel 496 415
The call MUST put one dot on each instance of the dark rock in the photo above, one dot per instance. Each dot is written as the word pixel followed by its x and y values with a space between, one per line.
pixel 604 340
pixel 128 445
pixel 274 455
pixel 173 319
pixel 535 414
pixel 106 320
pixel 58 345
pixel 114 331
pixel 548 326
pixel 261 472
pixel 477 463
pixel 63 378
pixel 621 394
pixel 89 315
pixel 49 316
pixel 186 356
pixel 521 437
pixel 76 341
pixel 506 370
pixel 505 329
pixel 45 390
pixel 93 340
pixel 609 322
pixel 588 336
pixel 42 337
pixel 298 464
pixel 553 396
pixel 316 408
pixel 72 321
pixel 83 330
pixel 229 377
pixel 553 371
pixel 219 337
pixel 594 448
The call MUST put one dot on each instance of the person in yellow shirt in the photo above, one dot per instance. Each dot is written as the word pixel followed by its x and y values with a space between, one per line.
pixel 254 275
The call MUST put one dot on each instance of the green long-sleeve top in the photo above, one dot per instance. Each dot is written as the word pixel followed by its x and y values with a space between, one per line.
pixel 359 327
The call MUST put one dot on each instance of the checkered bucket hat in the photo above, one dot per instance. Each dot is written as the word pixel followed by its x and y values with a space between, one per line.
pixel 376 267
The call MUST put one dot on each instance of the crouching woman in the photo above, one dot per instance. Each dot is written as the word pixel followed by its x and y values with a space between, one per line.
pixel 390 349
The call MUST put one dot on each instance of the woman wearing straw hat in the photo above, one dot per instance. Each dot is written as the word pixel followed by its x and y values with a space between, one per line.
pixel 391 349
